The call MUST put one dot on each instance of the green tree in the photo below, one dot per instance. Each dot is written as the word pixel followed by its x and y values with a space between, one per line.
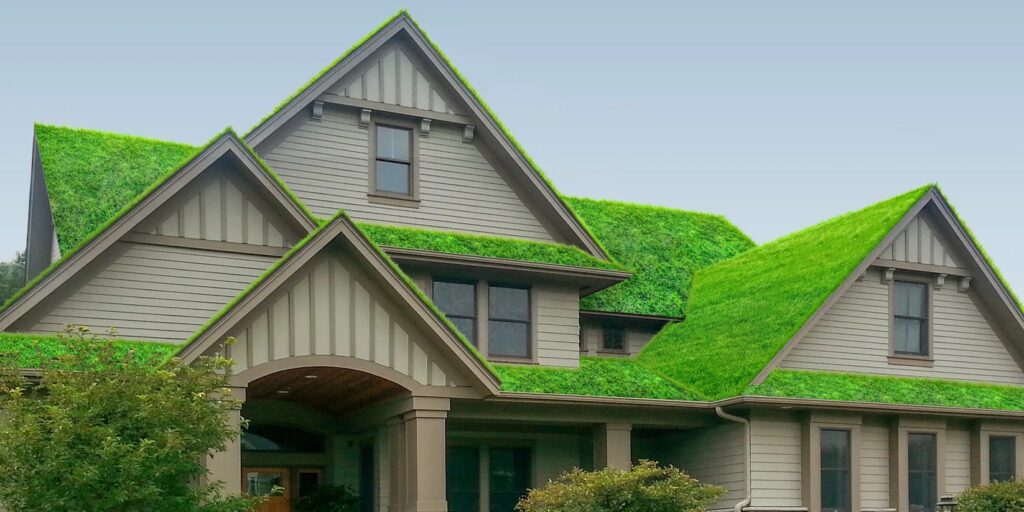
pixel 647 487
pixel 12 276
pixel 105 429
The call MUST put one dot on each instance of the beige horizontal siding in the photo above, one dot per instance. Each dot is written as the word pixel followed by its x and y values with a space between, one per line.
pixel 853 336
pixel 326 163
pixel 958 459
pixel 714 455
pixel 775 460
pixel 153 292
pixel 558 327
pixel 874 463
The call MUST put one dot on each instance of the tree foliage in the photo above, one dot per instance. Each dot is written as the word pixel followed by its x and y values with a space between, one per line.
pixel 647 487
pixel 99 429
pixel 12 276
pixel 994 497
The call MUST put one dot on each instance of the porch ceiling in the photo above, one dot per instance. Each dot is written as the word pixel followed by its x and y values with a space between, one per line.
pixel 336 391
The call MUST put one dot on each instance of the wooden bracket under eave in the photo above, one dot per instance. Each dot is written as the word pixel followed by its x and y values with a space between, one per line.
pixel 425 127
pixel 940 279
pixel 364 118
pixel 468 133
pixel 887 274
pixel 318 110
pixel 964 284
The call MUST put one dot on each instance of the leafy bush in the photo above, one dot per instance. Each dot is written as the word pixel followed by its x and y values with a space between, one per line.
pixel 645 488
pixel 994 497
pixel 102 429
pixel 329 498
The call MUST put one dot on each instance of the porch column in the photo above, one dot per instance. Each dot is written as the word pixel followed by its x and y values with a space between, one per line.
pixel 425 439
pixel 226 466
pixel 613 446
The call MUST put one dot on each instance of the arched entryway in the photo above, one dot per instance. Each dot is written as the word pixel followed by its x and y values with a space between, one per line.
pixel 320 421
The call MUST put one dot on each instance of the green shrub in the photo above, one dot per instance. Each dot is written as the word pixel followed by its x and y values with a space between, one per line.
pixel 328 498
pixel 645 488
pixel 994 497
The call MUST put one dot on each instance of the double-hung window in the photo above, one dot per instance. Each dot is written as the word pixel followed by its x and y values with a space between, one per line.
pixel 457 300
pixel 508 325
pixel 393 169
pixel 910 319
pixel 1002 458
pixel 922 472
pixel 835 471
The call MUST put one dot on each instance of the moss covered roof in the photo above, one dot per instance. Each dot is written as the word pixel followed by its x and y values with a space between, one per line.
pixel 40 350
pixel 742 311
pixel 91 175
pixel 850 387
pixel 451 242
pixel 596 376
pixel 662 247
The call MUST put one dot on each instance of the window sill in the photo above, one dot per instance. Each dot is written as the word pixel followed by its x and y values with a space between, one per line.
pixel 406 201
pixel 512 360
pixel 908 360
pixel 607 352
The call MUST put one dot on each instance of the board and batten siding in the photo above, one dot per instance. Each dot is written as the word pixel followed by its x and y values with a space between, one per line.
pixel 874 463
pixel 558 325
pixel 853 336
pixel 326 163
pixel 775 460
pixel 391 76
pixel 330 309
pixel 150 292
pixel 920 243
pixel 219 208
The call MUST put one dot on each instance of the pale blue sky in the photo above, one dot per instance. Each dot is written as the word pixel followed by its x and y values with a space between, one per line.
pixel 777 114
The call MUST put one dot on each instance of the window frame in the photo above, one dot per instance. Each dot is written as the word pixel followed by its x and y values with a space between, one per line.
pixel 411 199
pixel 980 449
pixel 483 449
pixel 605 328
pixel 531 323
pixel 848 470
pixel 937 474
pixel 814 423
pixel 909 359
pixel 1013 454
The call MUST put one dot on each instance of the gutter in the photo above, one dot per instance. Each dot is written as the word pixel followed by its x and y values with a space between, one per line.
pixel 746 455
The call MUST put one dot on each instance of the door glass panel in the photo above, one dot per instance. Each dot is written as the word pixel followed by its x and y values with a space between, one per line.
pixel 835 470
pixel 510 477
pixel 921 469
pixel 463 479
pixel 1002 458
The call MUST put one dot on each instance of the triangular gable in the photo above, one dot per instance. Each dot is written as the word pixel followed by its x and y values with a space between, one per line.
pixel 743 311
pixel 335 294
pixel 932 223
pixel 485 125
pixel 153 201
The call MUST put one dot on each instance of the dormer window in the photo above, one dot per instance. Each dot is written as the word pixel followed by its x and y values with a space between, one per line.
pixel 910 319
pixel 393 165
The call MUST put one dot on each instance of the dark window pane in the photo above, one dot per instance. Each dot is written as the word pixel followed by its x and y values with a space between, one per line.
pixel 393 143
pixel 835 470
pixel 921 472
pixel 309 482
pixel 510 477
pixel 908 336
pixel 467 326
pixel 463 479
pixel 509 303
pixel 275 438
pixel 614 338
pixel 508 339
pixel 911 299
pixel 1002 458
pixel 366 479
pixel 392 177
pixel 455 298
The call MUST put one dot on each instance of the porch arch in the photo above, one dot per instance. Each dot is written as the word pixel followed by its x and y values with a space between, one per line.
pixel 249 375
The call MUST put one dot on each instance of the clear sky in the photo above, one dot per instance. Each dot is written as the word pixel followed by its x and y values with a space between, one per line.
pixel 777 113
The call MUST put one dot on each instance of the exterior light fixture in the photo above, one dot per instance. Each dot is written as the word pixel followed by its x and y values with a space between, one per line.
pixel 947 503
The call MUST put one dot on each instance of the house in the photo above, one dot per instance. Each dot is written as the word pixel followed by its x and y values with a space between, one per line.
pixel 415 312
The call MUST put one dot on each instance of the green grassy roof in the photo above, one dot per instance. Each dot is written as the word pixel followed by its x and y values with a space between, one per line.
pixel 889 390
pixel 663 247
pixel 39 350
pixel 742 311
pixel 92 175
pixel 479 245
pixel 607 377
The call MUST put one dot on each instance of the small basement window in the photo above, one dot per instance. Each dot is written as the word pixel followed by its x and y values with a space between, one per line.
pixel 613 338
pixel 393 170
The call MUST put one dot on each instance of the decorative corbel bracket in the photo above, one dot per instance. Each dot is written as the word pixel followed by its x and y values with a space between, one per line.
pixel 887 274
pixel 425 127
pixel 964 284
pixel 318 110
pixel 940 279
pixel 468 132
pixel 364 118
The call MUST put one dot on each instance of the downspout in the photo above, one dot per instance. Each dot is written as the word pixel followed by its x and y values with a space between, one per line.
pixel 746 456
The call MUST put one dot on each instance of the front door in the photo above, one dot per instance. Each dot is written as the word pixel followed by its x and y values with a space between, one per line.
pixel 273 484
